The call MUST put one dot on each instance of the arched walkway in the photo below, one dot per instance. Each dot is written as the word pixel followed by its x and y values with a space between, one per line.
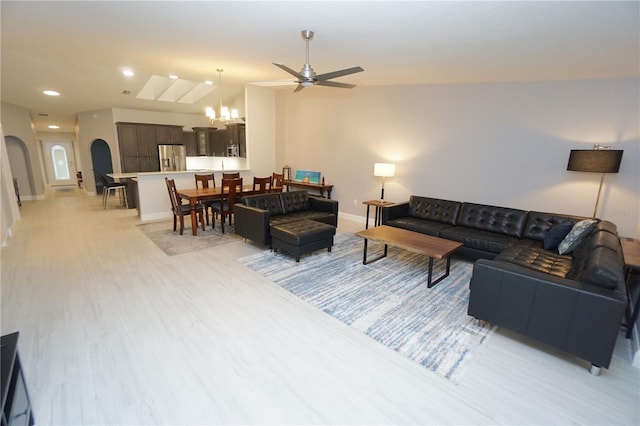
pixel 18 156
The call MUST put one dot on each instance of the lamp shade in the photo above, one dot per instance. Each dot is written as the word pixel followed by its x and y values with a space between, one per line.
pixel 384 169
pixel 595 160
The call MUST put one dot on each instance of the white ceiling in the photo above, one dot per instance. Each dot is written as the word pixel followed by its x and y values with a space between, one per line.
pixel 79 48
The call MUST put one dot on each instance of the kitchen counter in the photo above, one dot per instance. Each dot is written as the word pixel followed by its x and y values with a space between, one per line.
pixel 153 199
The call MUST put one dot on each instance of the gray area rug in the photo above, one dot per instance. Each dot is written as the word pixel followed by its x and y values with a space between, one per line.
pixel 388 300
pixel 172 243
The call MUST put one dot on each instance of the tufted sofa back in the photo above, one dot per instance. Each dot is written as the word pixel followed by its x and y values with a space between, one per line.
pixel 494 219
pixel 279 203
pixel 539 223
pixel 444 211
pixel 294 201
pixel 270 202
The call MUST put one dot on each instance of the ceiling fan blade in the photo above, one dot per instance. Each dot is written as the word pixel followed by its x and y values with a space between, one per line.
pixel 289 70
pixel 334 74
pixel 335 84
pixel 299 88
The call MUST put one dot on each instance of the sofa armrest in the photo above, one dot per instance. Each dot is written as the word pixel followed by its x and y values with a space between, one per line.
pixel 572 316
pixel 395 211
pixel 323 205
pixel 252 223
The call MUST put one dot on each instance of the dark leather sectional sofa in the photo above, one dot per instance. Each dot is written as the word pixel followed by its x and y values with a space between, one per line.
pixel 257 213
pixel 573 302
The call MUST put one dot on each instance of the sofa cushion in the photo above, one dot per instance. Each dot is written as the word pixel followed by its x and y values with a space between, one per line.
pixel 578 233
pixel 294 201
pixel 494 219
pixel 556 234
pixel 478 239
pixel 324 217
pixel 270 202
pixel 444 211
pixel 539 223
pixel 537 259
pixel 423 226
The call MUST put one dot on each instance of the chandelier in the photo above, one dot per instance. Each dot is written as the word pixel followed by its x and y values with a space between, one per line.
pixel 225 115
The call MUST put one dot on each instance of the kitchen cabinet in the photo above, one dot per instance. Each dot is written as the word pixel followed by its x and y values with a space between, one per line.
pixel 169 135
pixel 219 143
pixel 139 144
pixel 213 142
pixel 189 140
pixel 205 140
pixel 236 140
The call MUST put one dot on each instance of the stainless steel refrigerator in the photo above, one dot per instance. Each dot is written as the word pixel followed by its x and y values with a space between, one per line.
pixel 173 158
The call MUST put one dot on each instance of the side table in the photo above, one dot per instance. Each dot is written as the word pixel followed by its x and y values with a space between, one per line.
pixel 631 254
pixel 378 204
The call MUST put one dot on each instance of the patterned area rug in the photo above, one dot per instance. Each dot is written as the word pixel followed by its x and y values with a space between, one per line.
pixel 172 243
pixel 388 300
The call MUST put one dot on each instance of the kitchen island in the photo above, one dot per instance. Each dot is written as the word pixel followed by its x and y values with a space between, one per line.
pixel 152 196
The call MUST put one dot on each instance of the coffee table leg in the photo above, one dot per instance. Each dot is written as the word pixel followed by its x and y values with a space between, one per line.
pixel 366 261
pixel 431 283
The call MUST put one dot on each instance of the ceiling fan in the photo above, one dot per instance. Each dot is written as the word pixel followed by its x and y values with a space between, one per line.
pixel 308 77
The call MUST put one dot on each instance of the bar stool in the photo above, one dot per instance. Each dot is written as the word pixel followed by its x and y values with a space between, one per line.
pixel 115 186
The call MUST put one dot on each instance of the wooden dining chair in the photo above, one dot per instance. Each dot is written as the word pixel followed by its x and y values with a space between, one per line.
pixel 181 210
pixel 202 181
pixel 262 185
pixel 276 182
pixel 229 197
pixel 235 175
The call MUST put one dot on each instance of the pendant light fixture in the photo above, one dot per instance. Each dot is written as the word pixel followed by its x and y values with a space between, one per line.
pixel 225 115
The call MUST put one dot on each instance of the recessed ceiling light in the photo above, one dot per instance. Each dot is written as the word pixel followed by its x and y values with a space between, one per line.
pixel 173 76
pixel 53 126
pixel 128 73
pixel 51 93
pixel 209 82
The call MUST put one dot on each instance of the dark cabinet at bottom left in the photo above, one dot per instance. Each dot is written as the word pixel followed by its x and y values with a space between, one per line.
pixel 16 406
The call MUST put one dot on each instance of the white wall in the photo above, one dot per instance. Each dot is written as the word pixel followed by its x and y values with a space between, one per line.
pixel 16 121
pixel 9 213
pixel 261 130
pixel 504 144
pixel 94 125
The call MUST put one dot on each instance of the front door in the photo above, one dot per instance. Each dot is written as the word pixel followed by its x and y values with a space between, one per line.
pixel 60 164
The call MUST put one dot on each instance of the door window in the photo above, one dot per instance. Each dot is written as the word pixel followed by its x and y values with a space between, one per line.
pixel 60 162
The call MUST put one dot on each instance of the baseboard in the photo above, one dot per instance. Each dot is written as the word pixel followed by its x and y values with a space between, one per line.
pixel 156 216
pixel 32 197
pixel 352 217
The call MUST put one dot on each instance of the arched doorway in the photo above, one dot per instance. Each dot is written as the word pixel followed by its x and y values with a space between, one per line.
pixel 101 161
pixel 20 166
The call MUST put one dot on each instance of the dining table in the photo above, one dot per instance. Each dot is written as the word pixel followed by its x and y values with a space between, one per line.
pixel 196 195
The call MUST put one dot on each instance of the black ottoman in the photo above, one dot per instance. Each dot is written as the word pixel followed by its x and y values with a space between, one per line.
pixel 302 236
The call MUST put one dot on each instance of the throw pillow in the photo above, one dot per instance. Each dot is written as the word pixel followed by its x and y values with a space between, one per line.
pixel 579 231
pixel 556 234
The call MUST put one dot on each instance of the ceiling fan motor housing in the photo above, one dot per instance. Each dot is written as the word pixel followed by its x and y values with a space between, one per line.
pixel 307 71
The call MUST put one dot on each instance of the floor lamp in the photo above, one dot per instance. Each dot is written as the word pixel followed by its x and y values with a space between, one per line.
pixel 384 170
pixel 597 160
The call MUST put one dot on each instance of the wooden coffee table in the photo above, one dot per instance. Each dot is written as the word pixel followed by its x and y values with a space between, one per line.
pixel 433 247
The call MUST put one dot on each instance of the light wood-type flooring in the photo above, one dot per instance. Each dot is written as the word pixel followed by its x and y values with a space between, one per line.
pixel 112 331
